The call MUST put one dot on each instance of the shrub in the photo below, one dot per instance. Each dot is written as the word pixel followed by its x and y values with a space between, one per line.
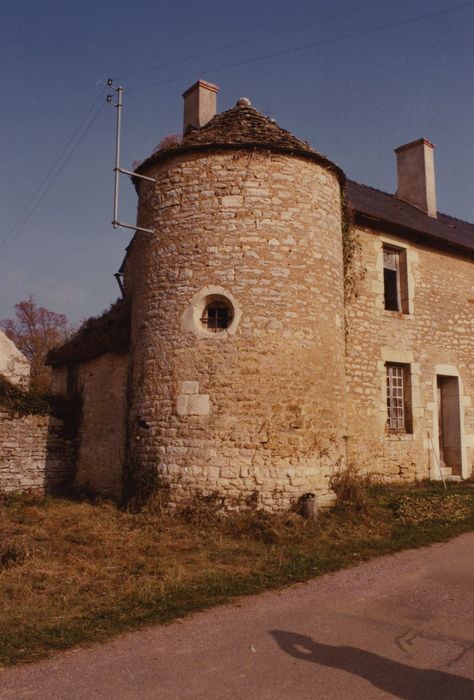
pixel 203 508
pixel 352 489
pixel 12 554
pixel 17 400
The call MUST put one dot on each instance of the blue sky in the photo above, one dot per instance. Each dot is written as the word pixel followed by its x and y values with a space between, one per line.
pixel 353 93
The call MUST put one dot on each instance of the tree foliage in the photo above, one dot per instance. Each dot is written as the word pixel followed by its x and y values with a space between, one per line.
pixel 36 330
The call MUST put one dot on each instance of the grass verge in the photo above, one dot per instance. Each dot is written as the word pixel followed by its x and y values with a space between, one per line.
pixel 74 572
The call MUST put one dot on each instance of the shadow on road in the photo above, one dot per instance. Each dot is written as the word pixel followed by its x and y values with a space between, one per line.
pixel 402 681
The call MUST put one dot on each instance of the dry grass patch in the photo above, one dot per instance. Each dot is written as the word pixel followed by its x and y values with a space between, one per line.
pixel 73 571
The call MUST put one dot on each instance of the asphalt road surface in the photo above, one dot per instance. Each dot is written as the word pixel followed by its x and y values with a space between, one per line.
pixel 398 627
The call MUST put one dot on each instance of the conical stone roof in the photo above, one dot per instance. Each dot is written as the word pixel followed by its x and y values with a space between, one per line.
pixel 237 128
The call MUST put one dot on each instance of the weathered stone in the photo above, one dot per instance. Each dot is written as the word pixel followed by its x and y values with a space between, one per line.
pixel 189 387
pixel 35 454
pixel 199 405
pixel 286 351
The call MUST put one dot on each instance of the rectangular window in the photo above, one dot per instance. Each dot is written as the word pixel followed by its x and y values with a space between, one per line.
pixel 395 279
pixel 399 417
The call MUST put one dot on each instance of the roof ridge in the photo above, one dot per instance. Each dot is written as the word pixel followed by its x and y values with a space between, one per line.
pixel 369 187
pixel 407 218
pixel 394 196
pixel 456 218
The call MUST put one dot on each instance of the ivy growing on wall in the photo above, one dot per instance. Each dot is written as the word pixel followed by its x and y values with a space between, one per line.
pixel 18 401
pixel 141 485
pixel 354 270
pixel 352 255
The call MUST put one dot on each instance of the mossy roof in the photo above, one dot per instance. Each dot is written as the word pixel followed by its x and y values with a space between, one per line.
pixel 109 332
pixel 240 127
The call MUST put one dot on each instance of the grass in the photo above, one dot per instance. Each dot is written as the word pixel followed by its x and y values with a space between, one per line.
pixel 75 572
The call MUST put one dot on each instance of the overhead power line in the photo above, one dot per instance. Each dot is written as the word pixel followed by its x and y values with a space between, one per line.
pixel 57 167
pixel 18 221
pixel 323 42
pixel 32 206
pixel 245 42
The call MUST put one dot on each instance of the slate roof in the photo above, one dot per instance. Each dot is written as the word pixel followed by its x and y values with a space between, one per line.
pixel 240 127
pixel 410 221
pixel 109 332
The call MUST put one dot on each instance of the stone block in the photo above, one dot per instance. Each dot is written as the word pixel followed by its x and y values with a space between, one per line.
pixel 182 404
pixel 198 405
pixel 189 387
pixel 232 201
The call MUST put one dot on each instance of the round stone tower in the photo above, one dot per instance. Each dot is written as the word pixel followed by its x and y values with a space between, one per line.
pixel 237 367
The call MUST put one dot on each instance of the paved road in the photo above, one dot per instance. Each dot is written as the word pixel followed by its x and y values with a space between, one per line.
pixel 401 626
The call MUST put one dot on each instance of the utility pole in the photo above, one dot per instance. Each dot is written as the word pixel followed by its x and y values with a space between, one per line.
pixel 117 169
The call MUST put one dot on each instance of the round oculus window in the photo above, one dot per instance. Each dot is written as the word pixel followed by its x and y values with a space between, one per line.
pixel 218 314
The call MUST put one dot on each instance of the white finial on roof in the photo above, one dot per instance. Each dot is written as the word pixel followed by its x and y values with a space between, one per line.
pixel 243 102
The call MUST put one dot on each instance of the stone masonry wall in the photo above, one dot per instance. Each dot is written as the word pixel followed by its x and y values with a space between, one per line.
pixel 33 454
pixel 435 337
pixel 260 407
pixel 102 384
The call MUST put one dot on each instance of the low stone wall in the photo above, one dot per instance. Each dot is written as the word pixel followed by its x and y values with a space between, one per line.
pixel 34 454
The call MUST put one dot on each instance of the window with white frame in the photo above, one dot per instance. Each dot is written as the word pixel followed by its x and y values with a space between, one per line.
pixel 399 417
pixel 395 279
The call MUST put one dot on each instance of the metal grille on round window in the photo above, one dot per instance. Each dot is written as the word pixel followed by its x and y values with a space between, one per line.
pixel 217 316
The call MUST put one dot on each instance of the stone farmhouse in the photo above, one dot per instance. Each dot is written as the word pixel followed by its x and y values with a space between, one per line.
pixel 280 323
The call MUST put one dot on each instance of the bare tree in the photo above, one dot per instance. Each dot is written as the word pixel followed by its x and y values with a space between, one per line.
pixel 36 330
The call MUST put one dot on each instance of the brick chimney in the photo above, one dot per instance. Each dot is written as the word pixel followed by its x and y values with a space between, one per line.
pixel 416 175
pixel 199 104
